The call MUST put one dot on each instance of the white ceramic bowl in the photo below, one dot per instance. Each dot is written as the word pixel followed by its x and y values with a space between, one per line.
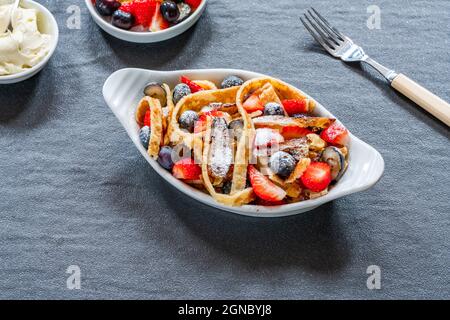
pixel 123 90
pixel 47 24
pixel 145 37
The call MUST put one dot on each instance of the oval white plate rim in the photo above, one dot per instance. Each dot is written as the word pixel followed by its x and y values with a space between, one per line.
pixel 146 37
pixel 248 210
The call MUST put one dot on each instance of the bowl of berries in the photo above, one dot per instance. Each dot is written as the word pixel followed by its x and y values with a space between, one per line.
pixel 145 21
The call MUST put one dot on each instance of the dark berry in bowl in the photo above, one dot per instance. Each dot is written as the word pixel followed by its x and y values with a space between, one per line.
pixel 231 81
pixel 107 7
pixel 165 158
pixel 226 187
pixel 187 120
pixel 156 90
pixel 144 136
pixel 122 19
pixel 169 11
pixel 273 109
pixel 282 163
pixel 180 91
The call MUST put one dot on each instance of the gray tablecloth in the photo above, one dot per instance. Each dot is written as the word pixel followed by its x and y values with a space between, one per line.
pixel 75 191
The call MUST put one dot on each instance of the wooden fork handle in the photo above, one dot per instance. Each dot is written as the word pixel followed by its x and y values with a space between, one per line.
pixel 424 98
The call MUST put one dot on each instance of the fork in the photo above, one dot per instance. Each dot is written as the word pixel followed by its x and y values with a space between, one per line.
pixel 342 47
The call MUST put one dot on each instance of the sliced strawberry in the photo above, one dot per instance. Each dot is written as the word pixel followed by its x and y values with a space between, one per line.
pixel 265 137
pixel 142 10
pixel 294 132
pixel 147 118
pixel 158 22
pixel 186 169
pixel 294 106
pixel 192 85
pixel 200 124
pixel 214 113
pixel 317 176
pixel 127 7
pixel 253 103
pixel 194 4
pixel 263 187
pixel 336 134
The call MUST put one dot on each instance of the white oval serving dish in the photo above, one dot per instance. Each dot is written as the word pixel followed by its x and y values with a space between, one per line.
pixel 47 24
pixel 145 37
pixel 123 90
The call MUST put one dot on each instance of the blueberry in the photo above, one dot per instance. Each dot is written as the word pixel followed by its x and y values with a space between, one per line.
pixel 231 81
pixel 282 163
pixel 299 116
pixel 165 158
pixel 273 109
pixel 107 7
pixel 187 120
pixel 144 135
pixel 180 91
pixel 156 90
pixel 122 19
pixel 169 11
pixel 226 187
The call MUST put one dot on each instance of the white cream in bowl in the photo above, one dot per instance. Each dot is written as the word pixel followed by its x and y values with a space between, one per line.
pixel 23 46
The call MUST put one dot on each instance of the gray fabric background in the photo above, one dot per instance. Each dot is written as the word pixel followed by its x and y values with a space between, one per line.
pixel 75 191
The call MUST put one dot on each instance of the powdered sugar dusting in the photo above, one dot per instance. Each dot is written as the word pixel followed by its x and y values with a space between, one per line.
pixel 221 153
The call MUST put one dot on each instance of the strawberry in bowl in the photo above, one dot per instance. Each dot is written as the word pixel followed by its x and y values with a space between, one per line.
pixel 145 15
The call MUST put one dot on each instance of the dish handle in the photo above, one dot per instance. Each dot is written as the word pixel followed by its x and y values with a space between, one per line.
pixel 366 166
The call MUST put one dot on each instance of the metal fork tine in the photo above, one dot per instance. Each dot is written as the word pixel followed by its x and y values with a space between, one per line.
pixel 315 36
pixel 332 35
pixel 337 32
pixel 324 37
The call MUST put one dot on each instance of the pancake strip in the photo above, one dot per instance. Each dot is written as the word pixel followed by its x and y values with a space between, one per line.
pixel 156 134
